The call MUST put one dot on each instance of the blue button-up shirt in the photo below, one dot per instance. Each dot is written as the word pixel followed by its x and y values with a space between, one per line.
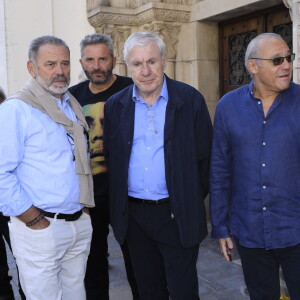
pixel 146 173
pixel 36 160
pixel 255 169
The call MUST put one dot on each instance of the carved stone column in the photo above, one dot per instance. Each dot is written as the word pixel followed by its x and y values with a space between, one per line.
pixel 163 18
pixel 294 6
pixel 169 34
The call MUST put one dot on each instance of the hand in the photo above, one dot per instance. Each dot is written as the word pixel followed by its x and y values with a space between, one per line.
pixel 32 213
pixel 41 224
pixel 86 210
pixel 226 247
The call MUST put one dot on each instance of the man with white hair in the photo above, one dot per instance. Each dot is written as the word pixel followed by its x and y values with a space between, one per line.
pixel 157 137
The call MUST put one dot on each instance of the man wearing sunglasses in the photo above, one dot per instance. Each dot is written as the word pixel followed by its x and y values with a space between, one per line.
pixel 254 177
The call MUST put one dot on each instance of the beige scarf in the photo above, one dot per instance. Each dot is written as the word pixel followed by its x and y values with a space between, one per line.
pixel 39 98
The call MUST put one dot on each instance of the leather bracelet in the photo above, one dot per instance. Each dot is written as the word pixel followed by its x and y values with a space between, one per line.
pixel 35 220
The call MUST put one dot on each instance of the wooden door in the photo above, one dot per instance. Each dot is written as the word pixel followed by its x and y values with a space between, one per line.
pixel 235 36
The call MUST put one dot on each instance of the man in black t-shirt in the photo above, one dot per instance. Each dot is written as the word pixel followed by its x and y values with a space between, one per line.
pixel 98 62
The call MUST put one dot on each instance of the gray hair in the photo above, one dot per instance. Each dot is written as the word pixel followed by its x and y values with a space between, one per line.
pixel 142 39
pixel 97 38
pixel 2 95
pixel 35 45
pixel 253 48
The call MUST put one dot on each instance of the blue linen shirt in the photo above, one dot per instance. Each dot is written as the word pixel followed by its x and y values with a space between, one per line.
pixel 255 169
pixel 36 160
pixel 146 172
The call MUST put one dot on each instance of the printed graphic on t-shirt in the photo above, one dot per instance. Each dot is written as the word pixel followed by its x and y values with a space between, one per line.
pixel 94 116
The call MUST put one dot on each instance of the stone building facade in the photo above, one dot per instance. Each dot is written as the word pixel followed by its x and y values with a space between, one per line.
pixel 192 31
pixel 206 39
pixel 22 21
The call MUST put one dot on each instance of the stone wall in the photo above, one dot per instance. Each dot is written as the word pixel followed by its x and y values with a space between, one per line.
pixel 294 6
pixel 22 21
pixel 188 27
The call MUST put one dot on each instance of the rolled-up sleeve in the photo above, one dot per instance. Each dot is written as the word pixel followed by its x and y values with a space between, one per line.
pixel 13 121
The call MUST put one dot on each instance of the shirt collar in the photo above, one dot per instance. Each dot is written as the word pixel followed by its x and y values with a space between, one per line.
pixel 65 99
pixel 278 98
pixel 163 93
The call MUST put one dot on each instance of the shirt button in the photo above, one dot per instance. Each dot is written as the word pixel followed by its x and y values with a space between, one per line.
pixel 264 187
pixel 259 102
pixel 264 122
pixel 264 143
pixel 147 190
pixel 172 216
pixel 148 148
pixel 146 169
pixel 263 165
pixel 264 208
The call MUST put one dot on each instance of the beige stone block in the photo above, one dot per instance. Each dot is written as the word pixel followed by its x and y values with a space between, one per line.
pixel 202 75
pixel 207 38
pixel 218 10
pixel 212 109
pixel 187 42
pixel 208 79
pixel 198 40
pixel 119 3
pixel 187 72
pixel 121 69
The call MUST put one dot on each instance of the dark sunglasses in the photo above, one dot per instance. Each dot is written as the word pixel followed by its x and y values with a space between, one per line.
pixel 278 60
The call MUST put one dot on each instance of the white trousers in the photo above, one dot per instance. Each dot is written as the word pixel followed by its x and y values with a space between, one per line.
pixel 52 261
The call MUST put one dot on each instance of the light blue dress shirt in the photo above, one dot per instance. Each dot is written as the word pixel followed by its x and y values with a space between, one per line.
pixel 36 160
pixel 146 173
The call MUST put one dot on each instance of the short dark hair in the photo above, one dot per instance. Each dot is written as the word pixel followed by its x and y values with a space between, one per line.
pixel 2 95
pixel 35 45
pixel 97 38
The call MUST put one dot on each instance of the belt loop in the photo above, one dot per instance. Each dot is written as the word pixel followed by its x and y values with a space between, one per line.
pixel 55 216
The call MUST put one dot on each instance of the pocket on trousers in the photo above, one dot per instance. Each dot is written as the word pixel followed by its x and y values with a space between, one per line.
pixel 34 240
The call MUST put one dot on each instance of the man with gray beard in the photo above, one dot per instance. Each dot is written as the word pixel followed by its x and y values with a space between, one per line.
pixel 45 180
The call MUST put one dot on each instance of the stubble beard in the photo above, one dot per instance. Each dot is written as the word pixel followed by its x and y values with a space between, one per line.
pixel 106 76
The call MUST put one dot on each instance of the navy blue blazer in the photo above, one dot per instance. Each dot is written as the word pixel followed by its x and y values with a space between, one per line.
pixel 187 143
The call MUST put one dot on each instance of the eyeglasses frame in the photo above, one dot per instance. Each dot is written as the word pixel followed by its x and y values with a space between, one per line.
pixel 292 58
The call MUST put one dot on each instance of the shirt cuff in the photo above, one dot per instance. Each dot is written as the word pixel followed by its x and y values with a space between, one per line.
pixel 219 232
pixel 17 206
